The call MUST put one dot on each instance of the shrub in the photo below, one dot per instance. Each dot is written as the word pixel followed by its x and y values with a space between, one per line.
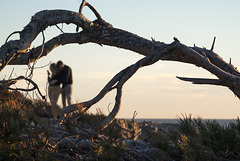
pixel 18 140
pixel 209 140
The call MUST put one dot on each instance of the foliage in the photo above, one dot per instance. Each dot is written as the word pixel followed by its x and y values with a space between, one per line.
pixel 109 146
pixel 25 134
pixel 201 140
pixel 19 140
pixel 109 149
pixel 93 120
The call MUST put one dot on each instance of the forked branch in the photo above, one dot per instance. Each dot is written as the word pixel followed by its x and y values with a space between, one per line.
pixel 5 84
pixel 100 32
pixel 85 3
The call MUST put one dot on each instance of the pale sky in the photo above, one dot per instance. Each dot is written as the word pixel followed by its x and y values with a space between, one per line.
pixel 154 91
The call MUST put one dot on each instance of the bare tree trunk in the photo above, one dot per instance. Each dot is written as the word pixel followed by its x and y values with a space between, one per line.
pixel 102 33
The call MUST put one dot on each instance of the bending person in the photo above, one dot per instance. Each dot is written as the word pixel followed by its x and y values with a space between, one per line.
pixel 54 91
pixel 64 77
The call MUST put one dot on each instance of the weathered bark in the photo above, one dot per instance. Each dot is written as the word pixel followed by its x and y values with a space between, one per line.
pixel 103 33
pixel 5 84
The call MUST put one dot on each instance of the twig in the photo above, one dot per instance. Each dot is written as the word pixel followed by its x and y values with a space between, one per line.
pixel 59 29
pixel 203 81
pixel 10 76
pixel 176 39
pixel 7 83
pixel 99 20
pixel 108 107
pixel 133 123
pixel 213 44
pixel 15 32
pixel 134 115
pixel 85 3
pixel 119 126
pixel 32 68
pixel 43 65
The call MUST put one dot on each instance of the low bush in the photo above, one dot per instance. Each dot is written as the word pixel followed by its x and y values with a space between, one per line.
pixel 25 135
pixel 202 140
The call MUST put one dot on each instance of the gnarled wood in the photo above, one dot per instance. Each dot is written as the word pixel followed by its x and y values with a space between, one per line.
pixel 101 32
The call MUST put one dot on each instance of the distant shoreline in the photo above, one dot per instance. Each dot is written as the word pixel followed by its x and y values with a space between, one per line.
pixel 175 121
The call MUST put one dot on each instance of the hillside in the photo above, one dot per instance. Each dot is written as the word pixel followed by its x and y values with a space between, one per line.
pixel 29 132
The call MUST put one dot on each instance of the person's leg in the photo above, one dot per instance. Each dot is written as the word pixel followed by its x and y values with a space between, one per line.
pixel 63 97
pixel 68 92
pixel 54 93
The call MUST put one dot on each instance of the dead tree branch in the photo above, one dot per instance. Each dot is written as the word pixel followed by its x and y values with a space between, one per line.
pixel 213 44
pixel 203 81
pixel 100 32
pixel 5 84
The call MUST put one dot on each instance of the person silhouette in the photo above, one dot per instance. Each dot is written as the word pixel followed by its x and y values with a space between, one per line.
pixel 54 91
pixel 64 77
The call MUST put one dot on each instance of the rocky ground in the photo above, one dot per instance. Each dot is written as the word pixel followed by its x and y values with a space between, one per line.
pixel 135 138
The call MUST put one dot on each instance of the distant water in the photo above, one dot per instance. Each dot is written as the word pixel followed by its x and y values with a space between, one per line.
pixel 175 121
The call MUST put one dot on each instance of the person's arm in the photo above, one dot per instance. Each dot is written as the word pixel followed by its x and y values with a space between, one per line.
pixel 62 76
pixel 48 76
pixel 58 77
